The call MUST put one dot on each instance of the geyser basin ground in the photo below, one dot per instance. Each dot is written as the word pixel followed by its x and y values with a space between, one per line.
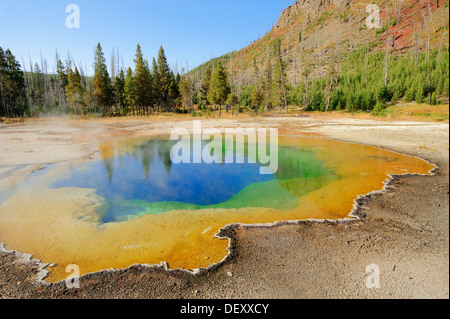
pixel 134 206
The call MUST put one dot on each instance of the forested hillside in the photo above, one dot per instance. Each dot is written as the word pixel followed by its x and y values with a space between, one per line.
pixel 330 59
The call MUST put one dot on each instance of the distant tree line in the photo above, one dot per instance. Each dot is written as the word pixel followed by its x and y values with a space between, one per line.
pixel 269 88
pixel 357 81
pixel 139 91
pixel 144 90
pixel 362 83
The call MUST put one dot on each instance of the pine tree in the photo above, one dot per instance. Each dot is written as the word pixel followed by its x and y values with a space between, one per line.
pixel 13 96
pixel 164 79
pixel 3 77
pixel 150 89
pixel 38 87
pixel 75 92
pixel 233 100
pixel 187 92
pixel 119 91
pixel 156 84
pixel 129 95
pixel 101 82
pixel 218 88
pixel 174 90
pixel 142 81
pixel 62 83
pixel 205 85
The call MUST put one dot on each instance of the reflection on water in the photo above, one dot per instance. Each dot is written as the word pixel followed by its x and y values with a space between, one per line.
pixel 143 180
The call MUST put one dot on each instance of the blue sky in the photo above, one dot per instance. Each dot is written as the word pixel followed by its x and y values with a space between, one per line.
pixel 191 31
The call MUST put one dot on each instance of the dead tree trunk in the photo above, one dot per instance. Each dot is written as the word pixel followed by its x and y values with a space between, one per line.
pixel 387 48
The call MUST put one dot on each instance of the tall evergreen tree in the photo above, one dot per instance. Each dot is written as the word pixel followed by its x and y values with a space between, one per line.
pixel 129 94
pixel 3 77
pixel 233 101
pixel 75 92
pixel 187 92
pixel 174 90
pixel 119 91
pixel 219 88
pixel 142 81
pixel 101 82
pixel 38 87
pixel 205 85
pixel 12 86
pixel 156 84
pixel 164 79
pixel 62 81
pixel 150 89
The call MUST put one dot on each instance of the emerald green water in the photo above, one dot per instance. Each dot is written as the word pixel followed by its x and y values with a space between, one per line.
pixel 142 180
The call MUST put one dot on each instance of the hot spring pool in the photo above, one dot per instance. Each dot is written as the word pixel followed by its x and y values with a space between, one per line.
pixel 133 205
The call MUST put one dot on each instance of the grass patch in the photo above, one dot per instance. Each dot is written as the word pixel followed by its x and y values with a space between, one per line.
pixel 421 112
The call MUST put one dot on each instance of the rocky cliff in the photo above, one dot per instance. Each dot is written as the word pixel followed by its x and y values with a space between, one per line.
pixel 313 31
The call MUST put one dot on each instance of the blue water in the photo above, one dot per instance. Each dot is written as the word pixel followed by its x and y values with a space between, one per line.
pixel 147 174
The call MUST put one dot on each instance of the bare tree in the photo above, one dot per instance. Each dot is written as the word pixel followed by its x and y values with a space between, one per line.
pixel 31 101
pixel 113 68
pixel 387 47
pixel 431 15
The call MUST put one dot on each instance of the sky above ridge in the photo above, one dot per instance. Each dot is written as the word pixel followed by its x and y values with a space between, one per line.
pixel 191 32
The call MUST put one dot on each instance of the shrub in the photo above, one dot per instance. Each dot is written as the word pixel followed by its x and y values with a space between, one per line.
pixel 410 94
pixel 384 95
pixel 419 95
pixel 379 110
pixel 434 99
